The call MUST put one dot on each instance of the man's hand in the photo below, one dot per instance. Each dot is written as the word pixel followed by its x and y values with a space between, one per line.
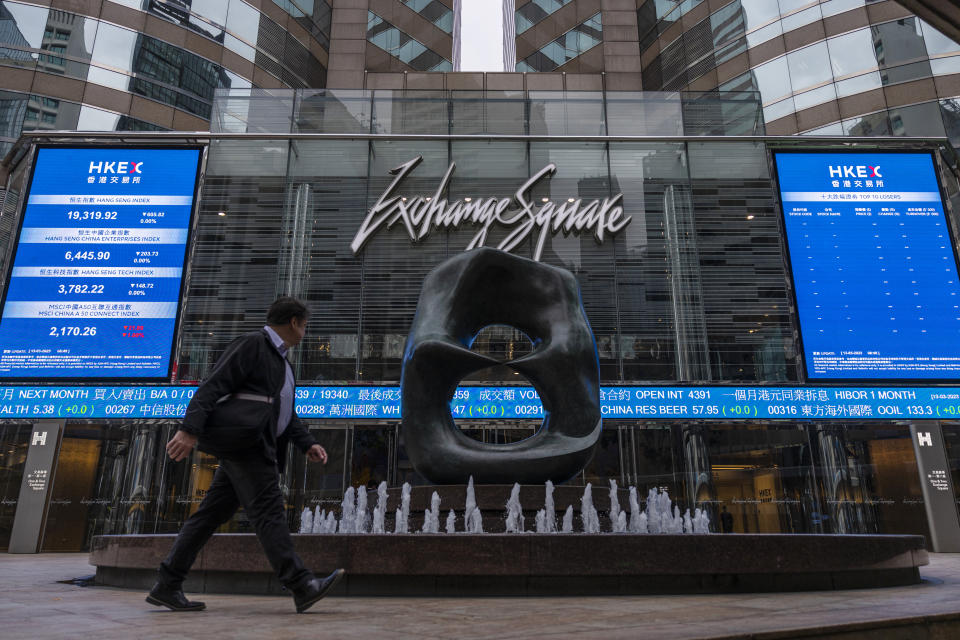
pixel 180 445
pixel 316 453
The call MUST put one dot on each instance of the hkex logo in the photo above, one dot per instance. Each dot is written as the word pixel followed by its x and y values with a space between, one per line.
pixel 854 171
pixel 115 167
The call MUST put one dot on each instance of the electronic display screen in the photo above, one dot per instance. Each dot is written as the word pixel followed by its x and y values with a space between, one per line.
pixel 874 271
pixel 95 286
pixel 510 403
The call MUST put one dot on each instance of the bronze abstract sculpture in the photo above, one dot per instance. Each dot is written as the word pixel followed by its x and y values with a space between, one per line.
pixel 459 298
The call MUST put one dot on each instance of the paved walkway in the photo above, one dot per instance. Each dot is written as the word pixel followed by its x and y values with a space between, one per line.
pixel 34 605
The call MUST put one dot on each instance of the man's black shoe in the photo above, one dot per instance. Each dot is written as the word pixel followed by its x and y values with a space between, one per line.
pixel 307 595
pixel 172 599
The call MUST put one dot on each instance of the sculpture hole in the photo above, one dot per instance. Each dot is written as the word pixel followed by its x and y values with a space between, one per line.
pixel 503 343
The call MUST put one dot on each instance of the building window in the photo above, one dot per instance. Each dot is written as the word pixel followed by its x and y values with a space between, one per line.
pixel 403 47
pixel 535 11
pixel 573 43
pixel 55 49
pixel 434 11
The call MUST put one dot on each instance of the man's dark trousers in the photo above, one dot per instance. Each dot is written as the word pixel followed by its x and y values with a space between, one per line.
pixel 251 481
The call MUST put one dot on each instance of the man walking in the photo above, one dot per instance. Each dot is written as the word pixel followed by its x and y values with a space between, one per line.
pixel 244 414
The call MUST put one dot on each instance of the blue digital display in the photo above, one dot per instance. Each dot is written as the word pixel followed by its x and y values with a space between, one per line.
pixel 512 403
pixel 95 285
pixel 874 271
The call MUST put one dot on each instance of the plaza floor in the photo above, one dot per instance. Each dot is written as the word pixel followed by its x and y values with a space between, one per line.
pixel 33 604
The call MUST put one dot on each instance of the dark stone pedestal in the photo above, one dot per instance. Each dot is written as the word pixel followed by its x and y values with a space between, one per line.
pixel 534 564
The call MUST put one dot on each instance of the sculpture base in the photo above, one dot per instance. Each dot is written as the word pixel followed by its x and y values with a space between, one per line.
pixel 534 564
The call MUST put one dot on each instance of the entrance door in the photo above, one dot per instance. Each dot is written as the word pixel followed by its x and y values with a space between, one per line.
pixel 70 499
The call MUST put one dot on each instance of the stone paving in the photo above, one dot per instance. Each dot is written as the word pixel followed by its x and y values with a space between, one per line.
pixel 34 605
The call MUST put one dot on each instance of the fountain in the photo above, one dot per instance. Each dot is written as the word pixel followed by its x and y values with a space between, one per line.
pixel 361 517
pixel 431 517
pixel 588 513
pixel 472 519
pixel 451 522
pixel 655 549
pixel 380 511
pixel 306 521
pixel 348 510
pixel 618 519
pixel 540 521
pixel 550 512
pixel 514 511
pixel 402 523
pixel 568 520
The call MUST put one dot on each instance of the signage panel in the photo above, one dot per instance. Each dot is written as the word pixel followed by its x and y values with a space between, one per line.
pixel 34 498
pixel 513 403
pixel 936 485
pixel 96 280
pixel 874 271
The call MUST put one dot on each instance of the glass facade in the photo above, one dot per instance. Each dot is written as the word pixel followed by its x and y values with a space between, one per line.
pixel 72 45
pixel 403 46
pixel 115 478
pixel 818 73
pixel 534 11
pixel 14 441
pixel 694 290
pixel 565 48
pixel 434 11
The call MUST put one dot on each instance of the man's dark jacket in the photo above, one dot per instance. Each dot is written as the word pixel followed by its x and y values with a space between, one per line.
pixel 250 364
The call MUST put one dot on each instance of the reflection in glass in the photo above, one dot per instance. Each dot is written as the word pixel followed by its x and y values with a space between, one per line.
pixel 565 48
pixel 945 66
pixel 114 47
pixel 906 72
pixel 434 11
pixel 859 84
pixel 51 114
pixel 13 106
pixel 800 18
pixel 403 46
pixel 759 12
pixel 644 113
pixel 874 124
pixel 566 113
pixel 917 120
pixel 834 129
pixel 772 80
pixel 936 42
pixel 898 41
pixel 833 7
pixel 852 53
pixel 809 66
pixel 727 23
pixel 107 78
pixel 814 97
pixel 534 11
pixel 22 24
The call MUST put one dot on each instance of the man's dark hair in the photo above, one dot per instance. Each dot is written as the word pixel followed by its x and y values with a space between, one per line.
pixel 285 309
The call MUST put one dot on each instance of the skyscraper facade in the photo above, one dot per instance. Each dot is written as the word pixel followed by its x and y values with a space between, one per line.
pixel 855 67
pixel 842 67
pixel 136 65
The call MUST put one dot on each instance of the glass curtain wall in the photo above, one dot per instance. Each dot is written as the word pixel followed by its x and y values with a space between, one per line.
pixel 14 442
pixel 693 289
pixel 770 477
pixel 113 478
